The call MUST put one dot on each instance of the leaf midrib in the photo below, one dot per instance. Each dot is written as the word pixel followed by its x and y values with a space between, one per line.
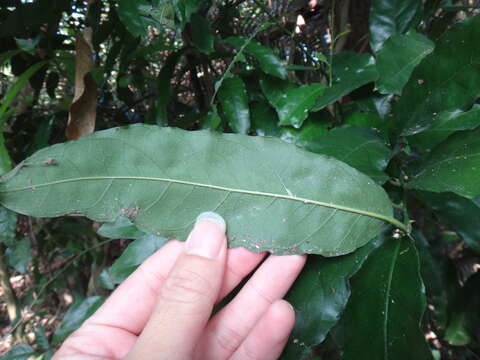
pixel 217 187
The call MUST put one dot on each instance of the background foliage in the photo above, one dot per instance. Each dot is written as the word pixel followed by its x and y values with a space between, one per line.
pixel 388 87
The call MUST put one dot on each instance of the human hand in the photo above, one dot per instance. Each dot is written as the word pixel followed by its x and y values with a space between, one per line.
pixel 163 310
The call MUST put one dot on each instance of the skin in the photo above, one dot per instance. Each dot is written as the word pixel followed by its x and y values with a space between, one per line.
pixel 163 310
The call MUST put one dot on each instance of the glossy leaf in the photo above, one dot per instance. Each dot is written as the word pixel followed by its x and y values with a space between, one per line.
pixel 350 71
pixel 390 17
pixel 397 58
pixel 265 120
pixel 19 352
pixel 75 316
pixel 462 214
pixel 432 89
pixel 269 62
pixel 444 125
pixel 311 203
pixel 135 254
pixel 291 102
pixel 233 97
pixel 453 166
pixel 319 297
pixel 382 318
pixel 18 255
pixel 357 146
pixel 201 33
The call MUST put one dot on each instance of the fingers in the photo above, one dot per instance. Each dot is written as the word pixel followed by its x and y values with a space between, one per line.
pixel 229 328
pixel 124 313
pixel 240 263
pixel 186 298
pixel 138 291
pixel 269 336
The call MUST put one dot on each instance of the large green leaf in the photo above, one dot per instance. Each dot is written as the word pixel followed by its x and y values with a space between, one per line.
pixel 233 97
pixel 350 71
pixel 75 316
pixel 454 165
pixel 382 318
pixel 359 147
pixel 319 296
pixel 291 102
pixel 390 17
pixel 273 195
pixel 269 62
pixel 445 124
pixel 448 79
pixel 462 214
pixel 397 58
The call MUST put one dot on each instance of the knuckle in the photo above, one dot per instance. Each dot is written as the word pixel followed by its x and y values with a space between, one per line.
pixel 185 288
pixel 228 339
pixel 250 353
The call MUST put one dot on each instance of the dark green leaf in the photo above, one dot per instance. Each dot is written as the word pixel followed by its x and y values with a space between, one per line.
pixel 201 33
pixel 184 10
pixel 312 203
pixel 456 333
pixel 8 225
pixel 390 17
pixel 121 228
pixel 75 316
pixel 269 62
pixel 291 102
pixel 233 97
pixel 397 58
pixel 453 166
pixel 19 352
pixel 432 270
pixel 382 318
pixel 138 15
pixel 264 120
pixel 448 79
pixel 41 338
pixel 134 255
pixel 445 124
pixel 18 255
pixel 350 71
pixel 212 121
pixel 319 296
pixel 463 215
pixel 5 163
pixel 357 146
pixel 306 136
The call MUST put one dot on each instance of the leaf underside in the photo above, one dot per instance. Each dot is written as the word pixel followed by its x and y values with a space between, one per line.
pixel 274 196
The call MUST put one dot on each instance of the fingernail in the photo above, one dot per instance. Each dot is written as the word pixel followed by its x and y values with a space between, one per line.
pixel 205 240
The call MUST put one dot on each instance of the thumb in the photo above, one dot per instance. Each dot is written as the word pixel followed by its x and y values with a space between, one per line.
pixel 188 294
